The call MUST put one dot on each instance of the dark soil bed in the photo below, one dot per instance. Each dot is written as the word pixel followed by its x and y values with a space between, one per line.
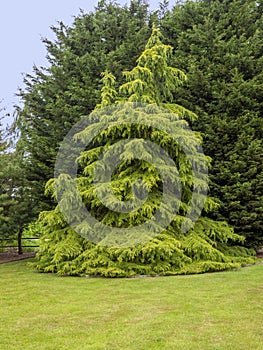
pixel 6 257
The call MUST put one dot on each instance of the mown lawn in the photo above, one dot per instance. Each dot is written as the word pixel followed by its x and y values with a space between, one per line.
pixel 211 311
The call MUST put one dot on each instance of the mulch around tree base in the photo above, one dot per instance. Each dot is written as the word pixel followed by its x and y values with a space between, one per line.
pixel 7 257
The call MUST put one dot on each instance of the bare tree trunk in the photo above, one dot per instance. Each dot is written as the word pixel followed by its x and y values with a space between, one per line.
pixel 19 241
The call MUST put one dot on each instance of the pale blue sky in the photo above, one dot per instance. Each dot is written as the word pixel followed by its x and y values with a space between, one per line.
pixel 22 24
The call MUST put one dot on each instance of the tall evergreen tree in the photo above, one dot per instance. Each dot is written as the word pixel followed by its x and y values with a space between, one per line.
pixel 219 45
pixel 56 97
pixel 156 250
pixel 15 206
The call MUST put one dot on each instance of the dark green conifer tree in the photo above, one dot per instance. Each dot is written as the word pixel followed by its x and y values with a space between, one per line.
pixel 55 98
pixel 16 206
pixel 219 45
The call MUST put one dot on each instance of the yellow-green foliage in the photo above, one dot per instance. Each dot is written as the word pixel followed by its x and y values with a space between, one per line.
pixel 66 253
pixel 208 246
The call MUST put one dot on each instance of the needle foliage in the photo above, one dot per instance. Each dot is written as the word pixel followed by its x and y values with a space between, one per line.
pixel 207 246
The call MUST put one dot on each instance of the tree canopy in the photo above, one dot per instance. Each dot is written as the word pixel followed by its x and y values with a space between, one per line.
pixel 56 97
pixel 219 45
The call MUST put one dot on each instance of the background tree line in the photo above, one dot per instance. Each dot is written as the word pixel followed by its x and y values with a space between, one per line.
pixel 218 44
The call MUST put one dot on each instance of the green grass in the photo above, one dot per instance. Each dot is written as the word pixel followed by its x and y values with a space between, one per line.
pixel 211 311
